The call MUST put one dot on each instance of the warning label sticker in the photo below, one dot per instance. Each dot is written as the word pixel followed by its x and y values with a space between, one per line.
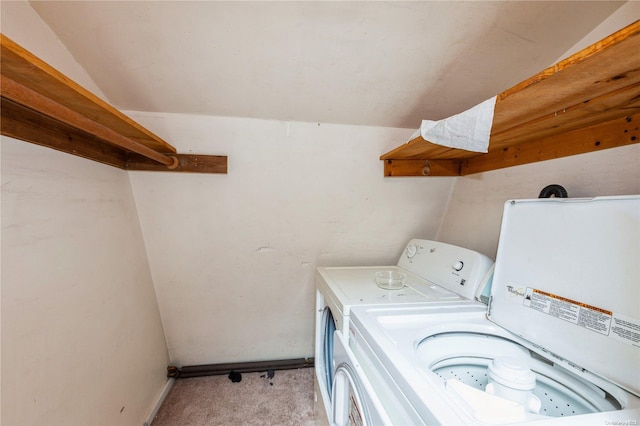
pixel 590 317
pixel 626 329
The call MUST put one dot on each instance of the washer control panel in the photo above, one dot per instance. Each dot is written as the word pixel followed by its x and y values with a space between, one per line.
pixel 455 268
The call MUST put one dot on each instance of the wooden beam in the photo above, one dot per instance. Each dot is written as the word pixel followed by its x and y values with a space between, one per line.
pixel 189 163
pixel 612 134
pixel 422 168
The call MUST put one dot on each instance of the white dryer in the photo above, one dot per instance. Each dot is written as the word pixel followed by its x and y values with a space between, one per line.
pixel 559 343
pixel 354 401
pixel 436 273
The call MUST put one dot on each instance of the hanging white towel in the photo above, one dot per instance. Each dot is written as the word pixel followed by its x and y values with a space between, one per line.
pixel 469 130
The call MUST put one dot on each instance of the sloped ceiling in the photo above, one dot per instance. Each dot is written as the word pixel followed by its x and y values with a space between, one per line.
pixel 363 63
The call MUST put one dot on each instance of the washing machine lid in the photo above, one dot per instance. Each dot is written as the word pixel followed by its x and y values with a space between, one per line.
pixel 567 279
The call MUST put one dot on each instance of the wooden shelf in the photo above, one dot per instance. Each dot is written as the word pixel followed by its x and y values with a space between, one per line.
pixel 41 105
pixel 587 102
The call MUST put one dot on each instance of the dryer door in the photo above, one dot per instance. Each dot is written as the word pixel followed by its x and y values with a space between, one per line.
pixel 325 327
pixel 326 354
pixel 354 400
pixel 347 403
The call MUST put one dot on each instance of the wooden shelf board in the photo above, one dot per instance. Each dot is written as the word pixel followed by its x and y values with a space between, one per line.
pixel 610 106
pixel 27 69
pixel 605 67
pixel 418 148
pixel 27 125
pixel 42 106
pixel 598 85
pixel 611 134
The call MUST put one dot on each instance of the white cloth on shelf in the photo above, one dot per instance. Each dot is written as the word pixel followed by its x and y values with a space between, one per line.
pixel 470 130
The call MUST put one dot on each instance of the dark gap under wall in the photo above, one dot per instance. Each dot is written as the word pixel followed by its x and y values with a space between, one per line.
pixel 239 367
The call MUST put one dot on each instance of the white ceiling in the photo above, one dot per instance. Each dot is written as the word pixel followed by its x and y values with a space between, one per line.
pixel 351 62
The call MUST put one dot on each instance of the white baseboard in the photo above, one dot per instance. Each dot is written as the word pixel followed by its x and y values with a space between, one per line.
pixel 159 401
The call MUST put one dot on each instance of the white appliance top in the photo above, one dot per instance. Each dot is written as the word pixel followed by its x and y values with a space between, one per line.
pixel 567 279
pixel 437 273
pixel 357 286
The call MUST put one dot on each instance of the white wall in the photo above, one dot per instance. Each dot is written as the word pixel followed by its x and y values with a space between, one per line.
pixel 233 256
pixel 82 340
pixel 474 214
pixel 20 23
pixel 625 15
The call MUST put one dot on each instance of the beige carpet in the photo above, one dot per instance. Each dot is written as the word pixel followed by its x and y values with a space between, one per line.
pixel 284 399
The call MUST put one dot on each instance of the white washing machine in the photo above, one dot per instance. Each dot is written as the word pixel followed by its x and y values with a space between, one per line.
pixel 559 343
pixel 437 273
